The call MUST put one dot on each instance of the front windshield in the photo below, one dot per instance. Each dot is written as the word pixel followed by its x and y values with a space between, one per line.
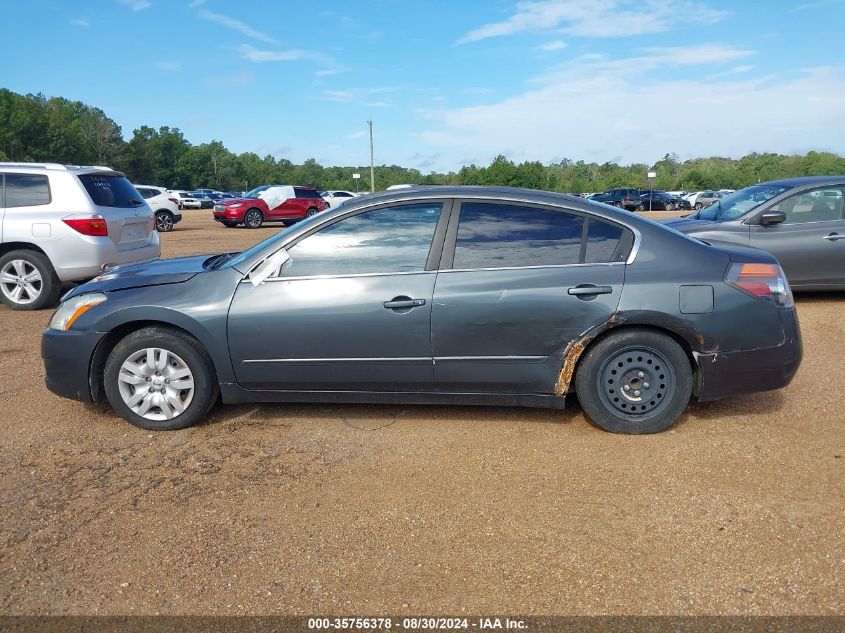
pixel 739 203
pixel 254 192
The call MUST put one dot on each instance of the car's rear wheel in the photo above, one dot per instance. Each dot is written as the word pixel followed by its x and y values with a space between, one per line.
pixel 634 382
pixel 311 212
pixel 164 221
pixel 669 206
pixel 698 206
pixel 28 281
pixel 253 219
pixel 160 379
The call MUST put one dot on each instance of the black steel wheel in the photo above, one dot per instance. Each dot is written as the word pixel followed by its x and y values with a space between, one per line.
pixel 634 381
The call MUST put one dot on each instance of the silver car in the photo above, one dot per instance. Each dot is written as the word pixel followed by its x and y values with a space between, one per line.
pixel 63 223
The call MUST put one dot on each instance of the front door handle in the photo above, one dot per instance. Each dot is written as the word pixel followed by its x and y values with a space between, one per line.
pixel 833 237
pixel 399 303
pixel 589 290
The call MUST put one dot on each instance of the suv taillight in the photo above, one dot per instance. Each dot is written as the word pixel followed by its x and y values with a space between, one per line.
pixel 173 200
pixel 762 281
pixel 94 225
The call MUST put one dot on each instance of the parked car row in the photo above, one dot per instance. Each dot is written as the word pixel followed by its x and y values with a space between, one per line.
pixel 633 199
pixel 269 203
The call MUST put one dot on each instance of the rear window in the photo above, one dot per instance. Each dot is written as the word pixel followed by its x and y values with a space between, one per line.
pixel 306 193
pixel 110 191
pixel 27 190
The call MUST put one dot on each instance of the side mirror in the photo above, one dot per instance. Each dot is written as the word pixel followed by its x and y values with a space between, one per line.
pixel 268 268
pixel 770 218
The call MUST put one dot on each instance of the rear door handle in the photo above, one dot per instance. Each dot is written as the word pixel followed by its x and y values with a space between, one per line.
pixel 398 303
pixel 833 237
pixel 589 290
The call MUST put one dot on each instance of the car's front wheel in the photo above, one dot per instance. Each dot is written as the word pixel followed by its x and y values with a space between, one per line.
pixel 698 206
pixel 253 219
pixel 160 379
pixel 28 281
pixel 635 381
pixel 311 212
pixel 164 221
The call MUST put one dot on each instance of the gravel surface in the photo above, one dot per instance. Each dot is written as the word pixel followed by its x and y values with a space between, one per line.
pixel 303 509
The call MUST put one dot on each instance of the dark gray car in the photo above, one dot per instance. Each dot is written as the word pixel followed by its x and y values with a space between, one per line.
pixel 464 295
pixel 798 220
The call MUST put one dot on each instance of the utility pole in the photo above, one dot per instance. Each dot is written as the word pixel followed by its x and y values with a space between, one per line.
pixel 372 159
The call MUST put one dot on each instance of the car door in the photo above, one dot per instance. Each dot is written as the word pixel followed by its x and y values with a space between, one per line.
pixel 518 283
pixel 349 311
pixel 810 242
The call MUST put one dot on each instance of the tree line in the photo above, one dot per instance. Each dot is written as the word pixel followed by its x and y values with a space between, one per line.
pixel 58 130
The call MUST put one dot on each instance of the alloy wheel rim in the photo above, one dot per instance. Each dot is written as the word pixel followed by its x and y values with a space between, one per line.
pixel 156 384
pixel 21 282
pixel 252 218
pixel 164 223
pixel 637 383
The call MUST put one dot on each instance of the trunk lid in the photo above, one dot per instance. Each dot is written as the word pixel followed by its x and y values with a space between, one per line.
pixel 128 217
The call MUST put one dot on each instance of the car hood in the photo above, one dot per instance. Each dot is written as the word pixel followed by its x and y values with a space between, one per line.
pixel 153 272
pixel 229 201
pixel 689 225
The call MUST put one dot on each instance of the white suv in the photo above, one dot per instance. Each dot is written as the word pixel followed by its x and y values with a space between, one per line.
pixel 165 206
pixel 65 224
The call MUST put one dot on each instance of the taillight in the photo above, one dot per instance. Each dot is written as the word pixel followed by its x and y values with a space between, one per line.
pixel 94 225
pixel 173 200
pixel 762 281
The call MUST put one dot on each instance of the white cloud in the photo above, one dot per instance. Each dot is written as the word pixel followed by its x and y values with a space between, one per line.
pixel 597 18
pixel 553 46
pixel 169 66
pixel 236 25
pixel 355 135
pixel 605 110
pixel 80 22
pixel 237 79
pixel 360 96
pixel 258 56
pixel 136 5
pixel 736 70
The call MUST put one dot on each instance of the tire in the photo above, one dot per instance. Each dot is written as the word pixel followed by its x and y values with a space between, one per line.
pixel 311 212
pixel 698 206
pixel 253 218
pixel 640 207
pixel 230 225
pixel 669 206
pixel 43 287
pixel 183 354
pixel 622 357
pixel 164 221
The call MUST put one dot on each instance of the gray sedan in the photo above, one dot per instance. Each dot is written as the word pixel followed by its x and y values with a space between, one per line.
pixel 798 220
pixel 433 295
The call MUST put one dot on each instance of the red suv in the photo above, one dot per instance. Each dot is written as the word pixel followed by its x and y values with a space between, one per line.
pixel 270 203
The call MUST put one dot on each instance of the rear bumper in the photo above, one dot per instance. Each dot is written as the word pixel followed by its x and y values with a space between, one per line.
pixel 748 371
pixel 67 361
pixel 77 261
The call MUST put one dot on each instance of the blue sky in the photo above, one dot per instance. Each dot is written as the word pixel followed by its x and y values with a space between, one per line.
pixel 447 83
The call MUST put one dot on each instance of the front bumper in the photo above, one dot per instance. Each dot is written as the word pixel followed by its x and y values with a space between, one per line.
pixel 67 362
pixel 748 371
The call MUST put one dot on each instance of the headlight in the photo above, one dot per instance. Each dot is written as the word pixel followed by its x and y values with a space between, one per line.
pixel 74 308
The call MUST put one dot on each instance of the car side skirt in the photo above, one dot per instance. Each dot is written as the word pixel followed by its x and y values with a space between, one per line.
pixel 232 393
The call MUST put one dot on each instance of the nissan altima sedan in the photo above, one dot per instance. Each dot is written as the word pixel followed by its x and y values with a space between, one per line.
pixel 435 295
pixel 798 220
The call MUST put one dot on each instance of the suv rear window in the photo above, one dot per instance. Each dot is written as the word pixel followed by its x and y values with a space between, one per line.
pixel 306 193
pixel 107 190
pixel 26 190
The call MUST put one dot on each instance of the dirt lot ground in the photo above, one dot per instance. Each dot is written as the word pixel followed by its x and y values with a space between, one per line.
pixel 312 509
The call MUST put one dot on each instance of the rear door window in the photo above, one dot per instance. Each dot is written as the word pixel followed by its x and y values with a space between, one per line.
pixel 493 235
pixel 307 193
pixel 27 190
pixel 502 235
pixel 108 190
